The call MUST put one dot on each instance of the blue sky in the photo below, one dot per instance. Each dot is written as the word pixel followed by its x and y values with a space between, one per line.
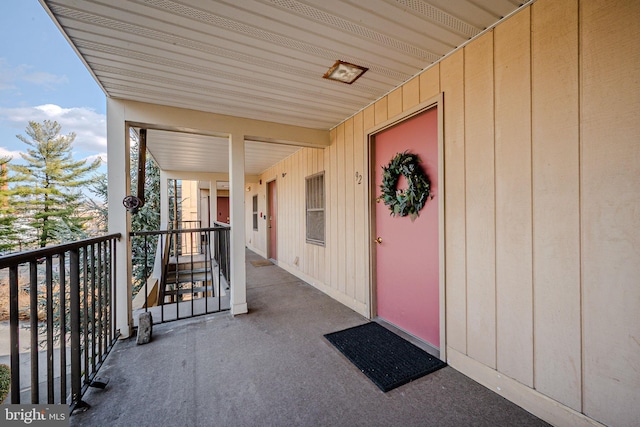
pixel 41 77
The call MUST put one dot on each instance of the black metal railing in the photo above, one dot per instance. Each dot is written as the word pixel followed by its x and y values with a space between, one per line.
pixel 184 242
pixel 71 309
pixel 222 251
pixel 176 281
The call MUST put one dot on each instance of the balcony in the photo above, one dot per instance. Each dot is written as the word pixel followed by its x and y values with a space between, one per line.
pixel 273 367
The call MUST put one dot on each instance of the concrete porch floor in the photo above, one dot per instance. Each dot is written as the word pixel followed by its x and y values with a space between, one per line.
pixel 272 367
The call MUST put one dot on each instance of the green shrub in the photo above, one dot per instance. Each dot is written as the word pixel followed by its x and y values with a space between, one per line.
pixel 5 381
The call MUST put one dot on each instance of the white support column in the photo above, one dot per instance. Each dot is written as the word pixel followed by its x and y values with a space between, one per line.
pixel 237 214
pixel 119 219
pixel 164 200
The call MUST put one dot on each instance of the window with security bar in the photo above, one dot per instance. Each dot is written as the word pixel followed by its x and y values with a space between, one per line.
pixel 315 203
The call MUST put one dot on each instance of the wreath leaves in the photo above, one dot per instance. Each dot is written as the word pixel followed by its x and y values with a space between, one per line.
pixel 412 200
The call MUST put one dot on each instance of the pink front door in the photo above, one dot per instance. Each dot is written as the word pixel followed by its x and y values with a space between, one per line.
pixel 407 276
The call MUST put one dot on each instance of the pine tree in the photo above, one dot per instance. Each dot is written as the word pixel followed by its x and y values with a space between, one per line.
pixel 7 217
pixel 49 191
pixel 100 207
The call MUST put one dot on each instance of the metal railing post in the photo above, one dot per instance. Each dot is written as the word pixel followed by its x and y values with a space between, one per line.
pixel 49 285
pixel 74 303
pixel 33 315
pixel 63 329
pixel 13 333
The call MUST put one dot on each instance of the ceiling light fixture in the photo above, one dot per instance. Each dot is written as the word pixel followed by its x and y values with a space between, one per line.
pixel 344 72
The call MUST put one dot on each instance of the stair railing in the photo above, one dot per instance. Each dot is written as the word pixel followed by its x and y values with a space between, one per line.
pixel 187 276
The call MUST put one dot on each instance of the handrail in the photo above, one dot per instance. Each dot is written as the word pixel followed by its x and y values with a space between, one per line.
pixel 26 256
pixel 176 231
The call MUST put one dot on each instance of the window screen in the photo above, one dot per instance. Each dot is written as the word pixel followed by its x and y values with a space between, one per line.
pixel 315 208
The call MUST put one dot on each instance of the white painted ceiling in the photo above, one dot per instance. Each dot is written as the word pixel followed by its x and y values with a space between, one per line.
pixel 259 156
pixel 262 59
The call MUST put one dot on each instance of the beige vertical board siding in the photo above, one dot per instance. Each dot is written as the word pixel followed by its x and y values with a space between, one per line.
pixel 360 198
pixel 329 211
pixel 286 203
pixel 280 193
pixel 298 184
pixel 480 195
pixel 334 208
pixel 277 170
pixel 341 207
pixel 451 78
pixel 306 256
pixel 556 201
pixel 322 252
pixel 430 83
pixel 349 191
pixel 290 204
pixel 394 102
pixel 302 223
pixel 305 252
pixel 610 207
pixel 514 282
pixel 368 121
pixel 285 213
pixel 368 118
pixel 381 110
pixel 411 93
pixel 308 250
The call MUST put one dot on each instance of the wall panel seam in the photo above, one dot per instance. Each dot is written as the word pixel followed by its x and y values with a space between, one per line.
pixel 464 183
pixel 532 195
pixel 495 219
pixel 580 205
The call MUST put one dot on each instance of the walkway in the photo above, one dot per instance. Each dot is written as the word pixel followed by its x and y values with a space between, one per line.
pixel 272 367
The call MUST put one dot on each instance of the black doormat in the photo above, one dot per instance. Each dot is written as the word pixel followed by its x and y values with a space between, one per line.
pixel 387 359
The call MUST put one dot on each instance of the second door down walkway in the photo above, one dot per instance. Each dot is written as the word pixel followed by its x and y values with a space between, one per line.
pixel 272 367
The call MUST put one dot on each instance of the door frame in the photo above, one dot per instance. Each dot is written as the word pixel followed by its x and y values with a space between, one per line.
pixel 436 102
pixel 267 210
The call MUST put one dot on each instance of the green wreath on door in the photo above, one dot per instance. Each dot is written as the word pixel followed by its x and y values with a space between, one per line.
pixel 408 202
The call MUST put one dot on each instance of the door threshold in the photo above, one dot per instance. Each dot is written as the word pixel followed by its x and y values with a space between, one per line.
pixel 429 348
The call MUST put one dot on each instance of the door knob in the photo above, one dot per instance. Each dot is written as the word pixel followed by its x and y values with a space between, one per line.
pixel 378 240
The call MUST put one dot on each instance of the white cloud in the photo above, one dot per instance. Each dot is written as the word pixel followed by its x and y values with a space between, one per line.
pixel 90 127
pixel 6 153
pixel 12 75
pixel 101 156
pixel 45 79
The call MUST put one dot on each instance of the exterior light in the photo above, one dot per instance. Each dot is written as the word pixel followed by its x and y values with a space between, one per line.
pixel 344 72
